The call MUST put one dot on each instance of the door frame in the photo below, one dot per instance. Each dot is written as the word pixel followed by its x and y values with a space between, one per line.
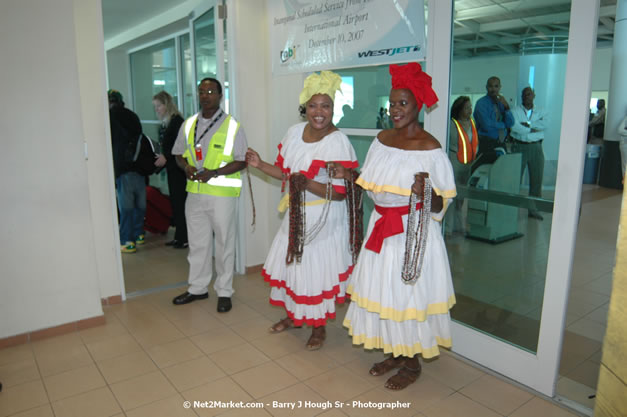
pixel 538 371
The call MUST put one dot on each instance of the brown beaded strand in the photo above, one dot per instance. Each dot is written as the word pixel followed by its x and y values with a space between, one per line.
pixel 354 194
pixel 296 235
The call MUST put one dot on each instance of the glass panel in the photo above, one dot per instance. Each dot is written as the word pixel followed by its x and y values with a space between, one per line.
pixel 498 230
pixel 205 45
pixel 363 102
pixel 361 145
pixel 153 69
pixel 187 76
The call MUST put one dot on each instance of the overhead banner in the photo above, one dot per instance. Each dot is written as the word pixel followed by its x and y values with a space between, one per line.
pixel 313 35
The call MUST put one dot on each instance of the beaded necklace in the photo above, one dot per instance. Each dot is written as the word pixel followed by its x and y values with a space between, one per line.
pixel 416 242
pixel 354 196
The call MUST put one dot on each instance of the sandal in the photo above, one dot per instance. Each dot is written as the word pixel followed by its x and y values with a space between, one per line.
pixel 405 377
pixel 317 338
pixel 387 365
pixel 281 325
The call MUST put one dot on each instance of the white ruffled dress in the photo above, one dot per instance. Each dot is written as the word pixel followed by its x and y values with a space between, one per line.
pixel 385 313
pixel 308 290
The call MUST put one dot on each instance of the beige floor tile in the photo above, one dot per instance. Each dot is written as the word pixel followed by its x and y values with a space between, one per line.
pixel 538 407
pixel 240 313
pixel 187 375
pixel 73 382
pixel 264 379
pixel 254 328
pixel 97 403
pixel 371 403
pixel 22 397
pixel 16 354
pixel 224 390
pixel 244 412
pixel 55 359
pixel 239 358
pixel 142 390
pixel 174 352
pixel 292 401
pixel 451 372
pixel 158 335
pixel 339 384
pixel 306 364
pixel 496 394
pixel 197 325
pixel 167 407
pixel 127 366
pixel 112 328
pixel 421 394
pixel 458 405
pixel 333 413
pixel 19 372
pixel 113 347
pixel 278 345
pixel 45 411
pixel 217 339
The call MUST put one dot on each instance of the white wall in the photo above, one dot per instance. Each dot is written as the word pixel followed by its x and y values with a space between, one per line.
pixel 95 107
pixel 48 264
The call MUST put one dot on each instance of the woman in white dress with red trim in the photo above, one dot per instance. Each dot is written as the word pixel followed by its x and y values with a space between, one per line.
pixel 404 319
pixel 308 282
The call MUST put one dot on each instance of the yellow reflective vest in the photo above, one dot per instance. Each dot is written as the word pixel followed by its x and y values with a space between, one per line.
pixel 219 153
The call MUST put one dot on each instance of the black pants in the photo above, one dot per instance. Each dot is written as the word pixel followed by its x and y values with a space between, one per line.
pixel 177 183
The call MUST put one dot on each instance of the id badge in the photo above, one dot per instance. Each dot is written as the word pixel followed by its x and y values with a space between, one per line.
pixel 198 150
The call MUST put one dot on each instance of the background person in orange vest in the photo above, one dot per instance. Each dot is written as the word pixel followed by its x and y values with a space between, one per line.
pixel 528 134
pixel 462 151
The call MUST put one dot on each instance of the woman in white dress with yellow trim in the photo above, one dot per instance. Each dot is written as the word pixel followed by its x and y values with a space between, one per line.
pixel 403 319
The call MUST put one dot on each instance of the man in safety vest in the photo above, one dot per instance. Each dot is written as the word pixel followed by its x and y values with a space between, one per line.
pixel 528 134
pixel 211 149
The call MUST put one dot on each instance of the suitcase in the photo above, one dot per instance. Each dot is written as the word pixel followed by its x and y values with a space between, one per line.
pixel 158 211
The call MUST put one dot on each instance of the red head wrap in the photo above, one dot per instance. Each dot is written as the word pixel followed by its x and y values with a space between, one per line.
pixel 412 77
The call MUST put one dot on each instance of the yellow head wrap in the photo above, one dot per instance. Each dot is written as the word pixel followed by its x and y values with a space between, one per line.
pixel 326 82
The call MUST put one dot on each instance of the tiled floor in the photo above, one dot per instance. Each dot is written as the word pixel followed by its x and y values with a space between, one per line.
pixel 152 356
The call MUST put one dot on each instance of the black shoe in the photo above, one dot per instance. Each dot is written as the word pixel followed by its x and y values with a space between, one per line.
pixel 187 298
pixel 224 304
pixel 171 242
pixel 180 245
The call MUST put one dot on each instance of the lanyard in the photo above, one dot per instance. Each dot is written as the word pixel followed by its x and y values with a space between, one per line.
pixel 213 122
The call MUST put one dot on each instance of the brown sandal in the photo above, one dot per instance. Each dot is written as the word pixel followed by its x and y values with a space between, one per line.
pixel 403 378
pixel 386 366
pixel 281 325
pixel 317 338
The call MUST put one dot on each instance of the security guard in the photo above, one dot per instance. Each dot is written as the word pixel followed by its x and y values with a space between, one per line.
pixel 211 149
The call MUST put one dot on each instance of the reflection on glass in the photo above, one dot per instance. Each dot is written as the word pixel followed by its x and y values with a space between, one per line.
pixel 153 69
pixel 205 46
pixel 498 230
pixel 188 77
pixel 361 144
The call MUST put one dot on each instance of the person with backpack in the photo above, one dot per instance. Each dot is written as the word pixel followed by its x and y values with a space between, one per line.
pixel 130 185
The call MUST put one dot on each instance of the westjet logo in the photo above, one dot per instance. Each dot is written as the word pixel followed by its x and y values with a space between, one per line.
pixel 389 51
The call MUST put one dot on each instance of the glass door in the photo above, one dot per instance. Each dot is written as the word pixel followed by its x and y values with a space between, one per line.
pixel 207 38
pixel 511 269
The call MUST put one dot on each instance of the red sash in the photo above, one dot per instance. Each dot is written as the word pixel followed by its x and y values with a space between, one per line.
pixel 390 224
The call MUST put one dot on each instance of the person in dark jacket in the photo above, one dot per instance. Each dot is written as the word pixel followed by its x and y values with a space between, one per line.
pixel 130 186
